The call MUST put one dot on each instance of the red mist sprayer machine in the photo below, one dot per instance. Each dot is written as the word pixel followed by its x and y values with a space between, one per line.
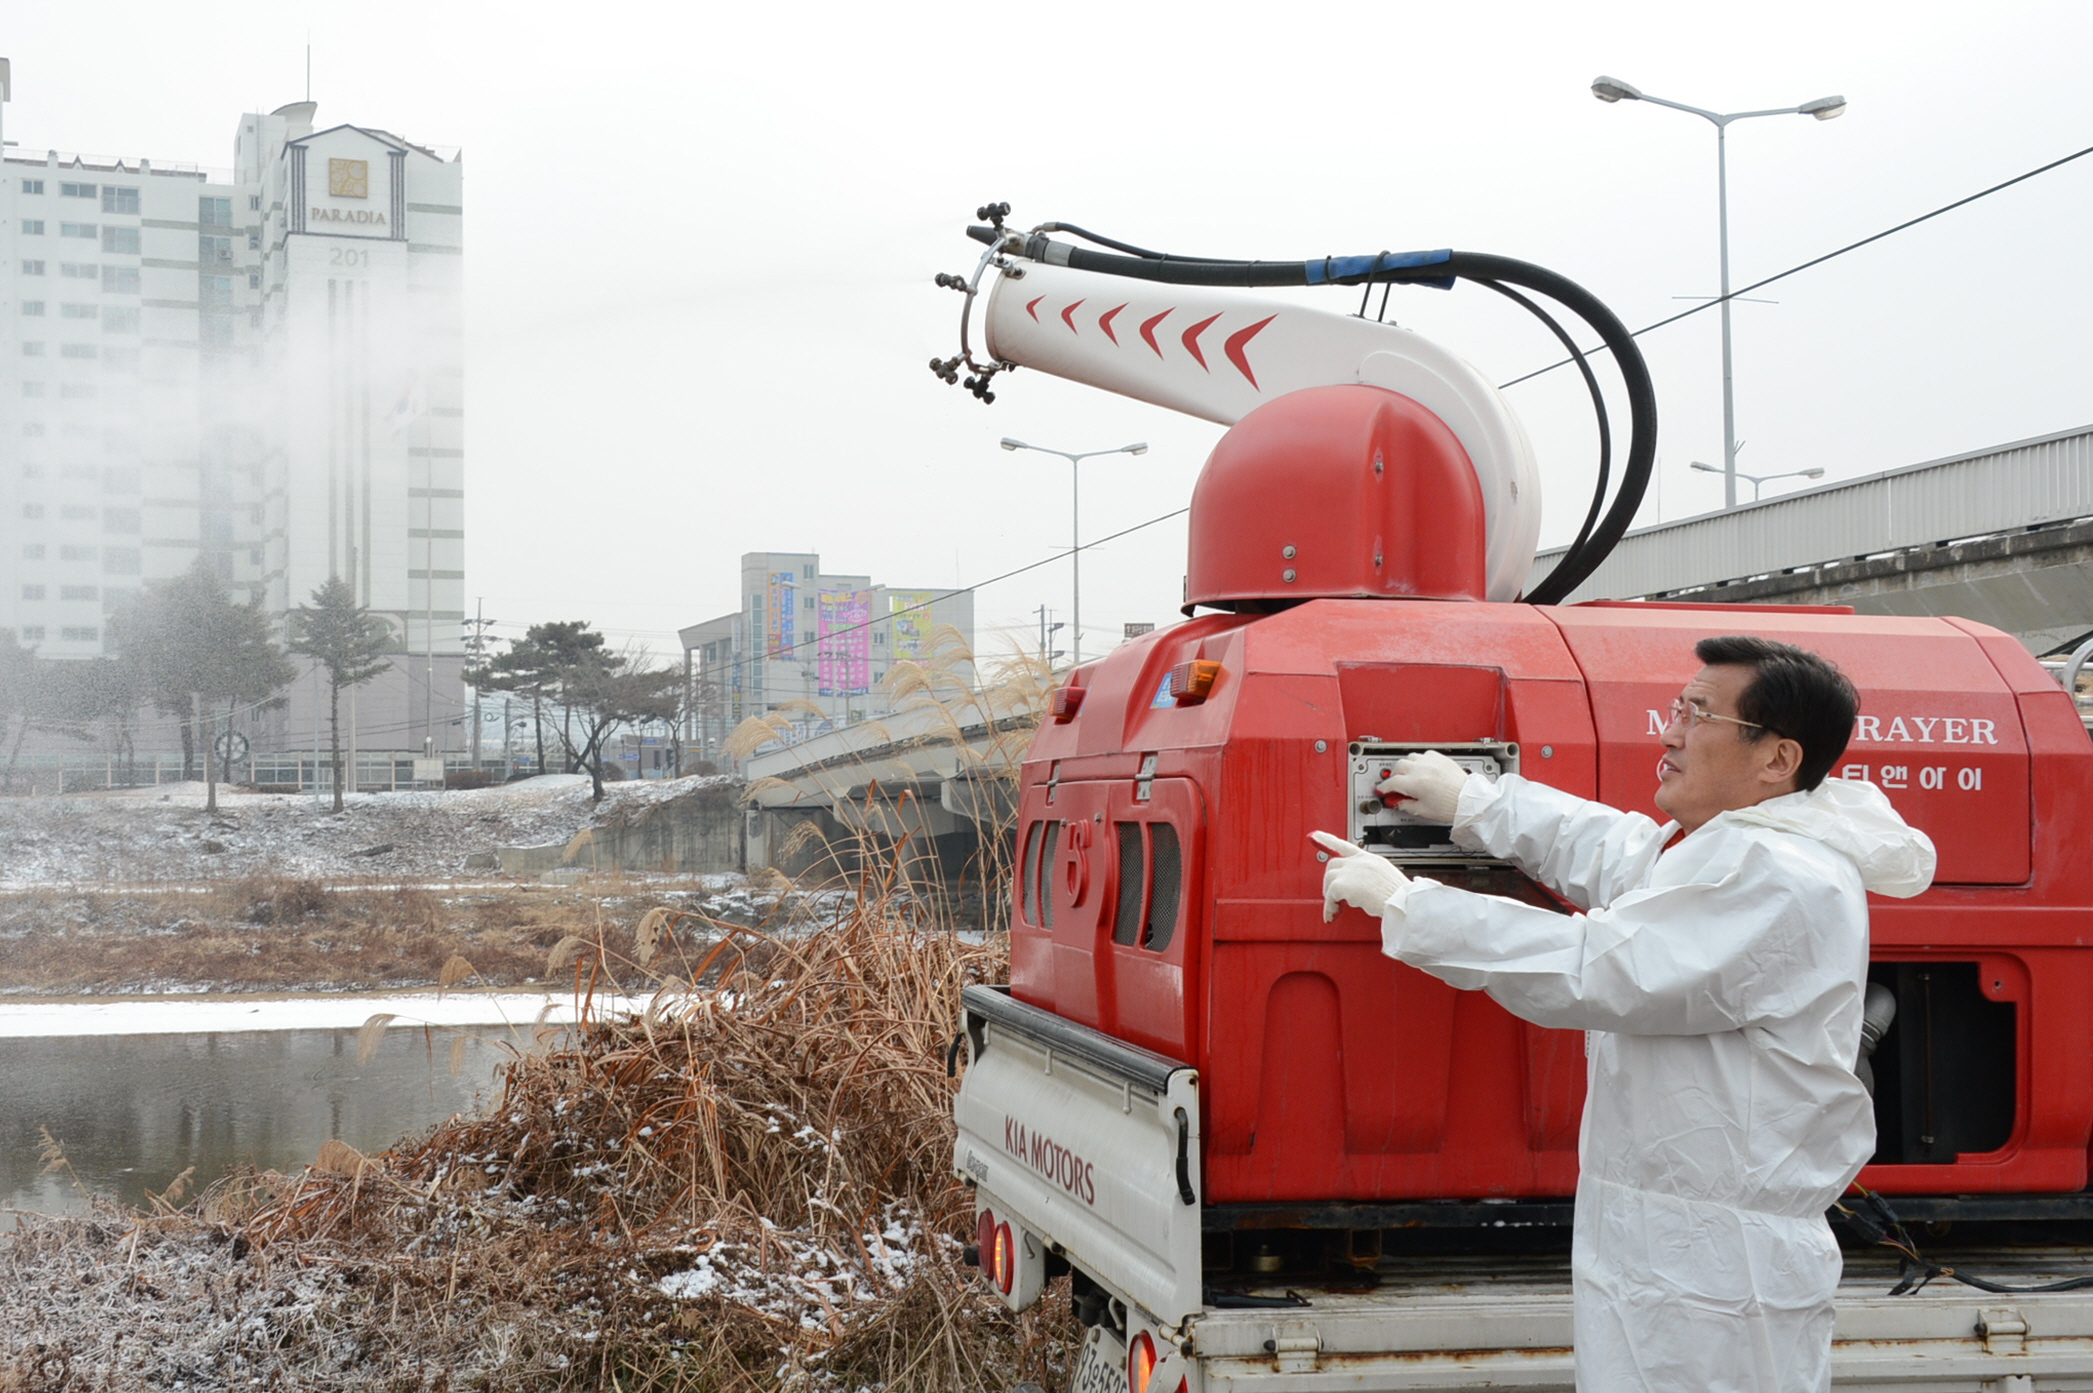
pixel 1357 584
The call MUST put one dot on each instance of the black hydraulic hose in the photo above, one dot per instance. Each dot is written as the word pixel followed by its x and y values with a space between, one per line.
pixel 1591 384
pixel 1575 567
pixel 1150 266
pixel 1129 248
pixel 1440 268
pixel 1877 1223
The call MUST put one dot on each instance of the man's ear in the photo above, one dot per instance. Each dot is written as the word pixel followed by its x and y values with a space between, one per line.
pixel 1783 763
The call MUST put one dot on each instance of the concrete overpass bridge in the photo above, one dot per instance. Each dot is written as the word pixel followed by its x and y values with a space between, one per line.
pixel 2003 536
pixel 930 776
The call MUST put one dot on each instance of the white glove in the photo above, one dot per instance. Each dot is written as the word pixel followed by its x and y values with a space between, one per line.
pixel 1358 878
pixel 1430 784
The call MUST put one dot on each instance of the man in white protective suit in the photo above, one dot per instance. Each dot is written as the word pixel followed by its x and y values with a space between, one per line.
pixel 1721 978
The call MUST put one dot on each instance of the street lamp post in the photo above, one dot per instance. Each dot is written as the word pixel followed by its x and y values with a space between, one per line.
pixel 1757 480
pixel 1608 89
pixel 1075 553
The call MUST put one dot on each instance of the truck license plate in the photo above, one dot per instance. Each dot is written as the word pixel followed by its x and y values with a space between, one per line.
pixel 1100 1365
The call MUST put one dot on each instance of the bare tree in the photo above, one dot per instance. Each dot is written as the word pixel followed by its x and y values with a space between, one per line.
pixel 194 646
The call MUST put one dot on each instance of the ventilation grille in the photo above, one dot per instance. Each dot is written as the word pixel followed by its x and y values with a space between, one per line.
pixel 1048 852
pixel 1030 876
pixel 1126 918
pixel 1164 889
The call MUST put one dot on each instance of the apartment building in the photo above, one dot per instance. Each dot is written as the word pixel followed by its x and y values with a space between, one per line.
pixel 262 366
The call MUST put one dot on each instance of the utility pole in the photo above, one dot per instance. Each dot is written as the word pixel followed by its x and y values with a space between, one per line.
pixel 1047 629
pixel 429 592
pixel 477 646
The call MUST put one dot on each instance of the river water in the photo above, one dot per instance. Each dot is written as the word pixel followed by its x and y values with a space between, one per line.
pixel 131 1111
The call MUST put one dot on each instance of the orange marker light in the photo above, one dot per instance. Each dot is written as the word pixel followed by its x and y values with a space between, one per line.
pixel 1006 1259
pixel 1191 682
pixel 1067 701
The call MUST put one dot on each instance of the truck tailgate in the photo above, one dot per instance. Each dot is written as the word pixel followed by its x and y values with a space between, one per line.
pixel 1093 1144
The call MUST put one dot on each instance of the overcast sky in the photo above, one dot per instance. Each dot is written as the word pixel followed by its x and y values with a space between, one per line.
pixel 700 242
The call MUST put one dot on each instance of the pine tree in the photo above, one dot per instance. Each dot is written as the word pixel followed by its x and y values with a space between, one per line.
pixel 567 663
pixel 346 639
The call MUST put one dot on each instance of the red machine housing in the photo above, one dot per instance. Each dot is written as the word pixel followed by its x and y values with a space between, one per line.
pixel 1168 894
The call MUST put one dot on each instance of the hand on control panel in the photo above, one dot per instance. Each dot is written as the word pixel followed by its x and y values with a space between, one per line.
pixel 1429 784
pixel 1357 877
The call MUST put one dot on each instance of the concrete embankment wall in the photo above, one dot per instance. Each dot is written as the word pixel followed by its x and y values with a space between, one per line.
pixel 702 831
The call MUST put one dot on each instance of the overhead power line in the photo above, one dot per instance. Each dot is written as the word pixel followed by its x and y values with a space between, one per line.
pixel 1819 260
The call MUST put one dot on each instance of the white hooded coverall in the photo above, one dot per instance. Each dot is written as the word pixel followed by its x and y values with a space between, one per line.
pixel 1722 983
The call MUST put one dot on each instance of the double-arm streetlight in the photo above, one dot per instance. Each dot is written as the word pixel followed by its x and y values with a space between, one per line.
pixel 1758 480
pixel 1610 89
pixel 1075 554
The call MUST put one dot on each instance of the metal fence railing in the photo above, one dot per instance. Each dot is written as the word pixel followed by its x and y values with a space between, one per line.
pixel 2029 483
pixel 376 772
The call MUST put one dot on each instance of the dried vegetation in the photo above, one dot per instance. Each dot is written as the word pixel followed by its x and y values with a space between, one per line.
pixel 747 1187
pixel 266 933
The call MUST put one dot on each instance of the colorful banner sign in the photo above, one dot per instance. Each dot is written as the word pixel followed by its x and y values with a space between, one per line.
pixel 911 629
pixel 844 644
pixel 777 619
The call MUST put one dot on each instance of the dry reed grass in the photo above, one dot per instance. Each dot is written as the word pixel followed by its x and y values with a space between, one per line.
pixel 746 1187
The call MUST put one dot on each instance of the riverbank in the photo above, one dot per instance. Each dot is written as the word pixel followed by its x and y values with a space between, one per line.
pixel 747 1187
pixel 143 893
pixel 163 836
pixel 267 933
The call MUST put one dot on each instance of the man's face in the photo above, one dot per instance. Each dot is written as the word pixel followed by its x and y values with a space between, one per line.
pixel 1710 767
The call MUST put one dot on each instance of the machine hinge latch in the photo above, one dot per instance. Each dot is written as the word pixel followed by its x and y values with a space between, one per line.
pixel 1145 780
pixel 1297 1351
pixel 2003 1331
pixel 1053 782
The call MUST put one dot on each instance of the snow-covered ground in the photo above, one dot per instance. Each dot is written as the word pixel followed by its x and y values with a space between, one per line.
pixel 25 1019
pixel 163 835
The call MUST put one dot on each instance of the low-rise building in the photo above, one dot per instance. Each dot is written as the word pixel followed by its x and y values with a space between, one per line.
pixel 820 646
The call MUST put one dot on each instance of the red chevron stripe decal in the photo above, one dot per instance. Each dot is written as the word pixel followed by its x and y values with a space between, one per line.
pixel 1067 316
pixel 1148 329
pixel 1104 322
pixel 1032 308
pixel 1190 339
pixel 1236 343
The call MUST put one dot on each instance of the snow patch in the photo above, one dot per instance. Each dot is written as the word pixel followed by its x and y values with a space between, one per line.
pixel 19 1020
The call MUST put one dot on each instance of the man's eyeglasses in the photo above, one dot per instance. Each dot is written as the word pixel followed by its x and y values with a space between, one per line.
pixel 1684 710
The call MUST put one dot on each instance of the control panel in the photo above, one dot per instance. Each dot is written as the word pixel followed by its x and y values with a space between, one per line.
pixel 1380 827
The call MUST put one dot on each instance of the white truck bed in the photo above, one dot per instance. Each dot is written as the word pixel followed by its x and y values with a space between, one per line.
pixel 1413 1322
pixel 1504 1323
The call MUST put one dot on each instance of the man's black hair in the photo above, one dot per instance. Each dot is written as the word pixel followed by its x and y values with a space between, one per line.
pixel 1793 692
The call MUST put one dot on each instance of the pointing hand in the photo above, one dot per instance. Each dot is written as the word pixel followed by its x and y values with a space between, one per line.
pixel 1357 877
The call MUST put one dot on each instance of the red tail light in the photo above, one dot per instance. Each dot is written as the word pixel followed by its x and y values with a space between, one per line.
pixel 1140 1361
pixel 985 1243
pixel 1067 701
